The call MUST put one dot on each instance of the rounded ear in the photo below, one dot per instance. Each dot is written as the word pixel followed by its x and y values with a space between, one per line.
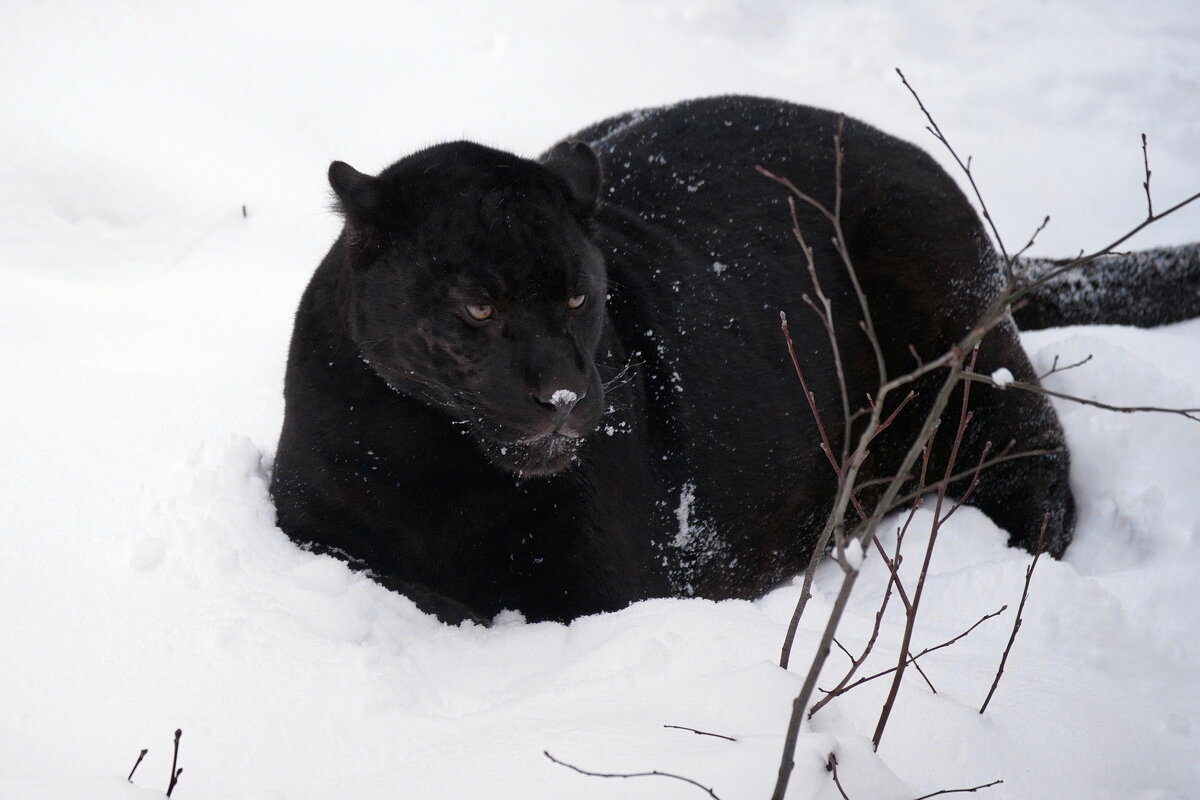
pixel 577 164
pixel 358 195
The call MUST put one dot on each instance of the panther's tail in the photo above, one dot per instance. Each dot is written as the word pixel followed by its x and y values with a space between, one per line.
pixel 1145 288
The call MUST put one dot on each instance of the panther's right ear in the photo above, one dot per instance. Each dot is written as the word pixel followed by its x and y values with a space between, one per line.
pixel 359 196
pixel 577 164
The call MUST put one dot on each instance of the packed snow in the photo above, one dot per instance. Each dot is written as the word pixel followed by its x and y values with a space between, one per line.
pixel 162 204
pixel 1002 378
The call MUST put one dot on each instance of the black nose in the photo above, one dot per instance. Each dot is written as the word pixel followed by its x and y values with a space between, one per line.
pixel 559 402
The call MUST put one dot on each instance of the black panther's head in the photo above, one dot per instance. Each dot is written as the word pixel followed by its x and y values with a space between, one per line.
pixel 476 290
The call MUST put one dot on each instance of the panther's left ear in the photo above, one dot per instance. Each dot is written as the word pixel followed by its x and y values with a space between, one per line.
pixel 579 167
pixel 358 196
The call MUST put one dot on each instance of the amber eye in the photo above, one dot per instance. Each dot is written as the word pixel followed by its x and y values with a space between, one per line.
pixel 480 313
pixel 576 302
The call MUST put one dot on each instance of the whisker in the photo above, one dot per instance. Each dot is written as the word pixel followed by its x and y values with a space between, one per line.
pixel 623 376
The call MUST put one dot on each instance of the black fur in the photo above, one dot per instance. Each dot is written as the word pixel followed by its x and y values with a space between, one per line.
pixel 563 461
pixel 1145 288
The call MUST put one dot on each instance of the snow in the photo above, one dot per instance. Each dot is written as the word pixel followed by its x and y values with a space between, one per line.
pixel 144 324
pixel 687 497
pixel 1002 377
pixel 563 397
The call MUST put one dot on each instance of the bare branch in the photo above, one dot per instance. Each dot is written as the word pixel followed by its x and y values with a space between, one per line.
pixel 791 187
pixel 787 760
pixel 822 540
pixel 1111 249
pixel 1020 608
pixel 701 733
pixel 966 168
pixel 959 791
pixel 912 662
pixel 893 565
pixel 892 417
pixel 1033 238
pixel 839 240
pixel 864 533
pixel 1081 260
pixel 956 477
pixel 966 495
pixel 814 558
pixel 651 773
pixel 831 768
pixel 1055 368
pixel 1190 413
pixel 964 419
pixel 826 317
pixel 912 658
pixel 136 764
pixel 175 773
pixel 808 395
pixel 1146 185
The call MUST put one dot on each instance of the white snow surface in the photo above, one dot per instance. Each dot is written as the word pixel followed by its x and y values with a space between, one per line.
pixel 144 323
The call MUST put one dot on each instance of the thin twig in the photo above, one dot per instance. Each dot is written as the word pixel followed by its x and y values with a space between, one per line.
pixel 839 471
pixel 819 546
pixel 1033 238
pixel 1146 185
pixel 1020 608
pixel 1190 413
pixel 864 534
pixel 970 490
pixel 957 791
pixel 826 447
pixel 141 755
pixel 912 659
pixel 855 663
pixel 1017 293
pixel 839 240
pixel 912 662
pixel 1111 249
pixel 1055 368
pixel 893 565
pixel 787 758
pixel 966 168
pixel 892 417
pixel 826 317
pixel 650 774
pixel 175 773
pixel 958 476
pixel 701 733
pixel 964 419
pixel 831 768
